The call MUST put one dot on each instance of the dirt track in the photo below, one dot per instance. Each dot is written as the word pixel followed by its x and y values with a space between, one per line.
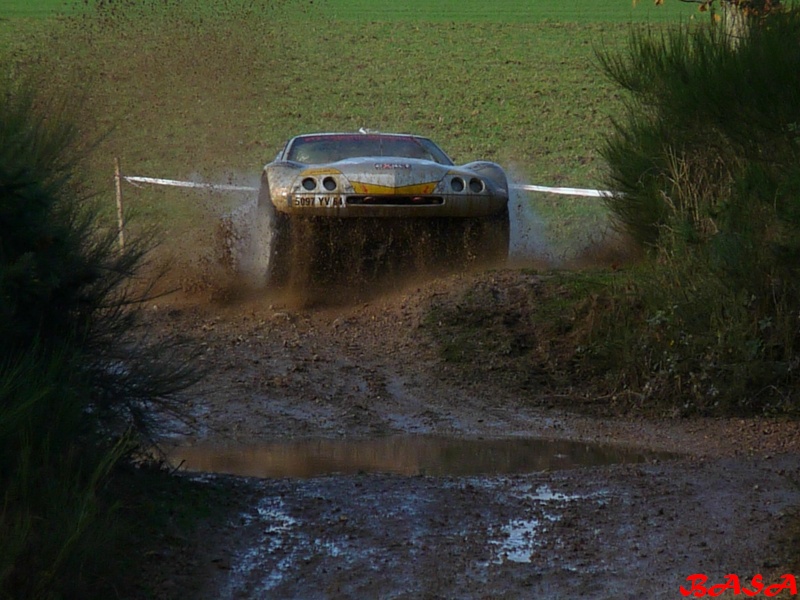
pixel 279 370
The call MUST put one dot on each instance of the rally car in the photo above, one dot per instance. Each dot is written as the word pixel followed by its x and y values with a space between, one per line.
pixel 401 188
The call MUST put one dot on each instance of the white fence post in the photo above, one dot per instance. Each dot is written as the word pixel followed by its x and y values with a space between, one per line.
pixel 120 213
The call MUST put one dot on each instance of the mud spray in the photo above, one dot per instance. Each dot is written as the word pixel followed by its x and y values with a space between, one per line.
pixel 595 243
pixel 243 239
pixel 223 256
pixel 244 232
pixel 529 244
pixel 244 236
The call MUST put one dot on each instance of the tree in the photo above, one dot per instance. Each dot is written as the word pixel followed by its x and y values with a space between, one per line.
pixel 735 15
pixel 706 160
pixel 746 7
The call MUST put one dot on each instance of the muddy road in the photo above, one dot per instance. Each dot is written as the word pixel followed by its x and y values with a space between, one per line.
pixel 367 471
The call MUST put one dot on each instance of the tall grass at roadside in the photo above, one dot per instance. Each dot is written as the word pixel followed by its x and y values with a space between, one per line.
pixel 707 160
pixel 76 385
pixel 63 281
pixel 56 523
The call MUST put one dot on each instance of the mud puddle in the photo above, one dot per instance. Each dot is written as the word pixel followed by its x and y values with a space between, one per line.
pixel 403 455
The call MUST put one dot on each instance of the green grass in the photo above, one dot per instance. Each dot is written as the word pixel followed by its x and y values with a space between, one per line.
pixel 37 8
pixel 213 89
pixel 469 11
pixel 502 11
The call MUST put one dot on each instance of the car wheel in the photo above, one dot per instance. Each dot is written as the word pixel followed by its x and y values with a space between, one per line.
pixel 273 239
pixel 279 248
pixel 451 242
pixel 489 239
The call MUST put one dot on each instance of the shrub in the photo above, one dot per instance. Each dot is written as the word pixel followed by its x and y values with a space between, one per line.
pixel 75 384
pixel 707 167
pixel 64 283
pixel 56 522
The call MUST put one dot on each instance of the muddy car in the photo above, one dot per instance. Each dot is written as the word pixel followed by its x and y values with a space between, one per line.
pixel 364 202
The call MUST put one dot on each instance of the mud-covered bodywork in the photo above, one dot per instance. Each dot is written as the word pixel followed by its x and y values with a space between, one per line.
pixel 380 177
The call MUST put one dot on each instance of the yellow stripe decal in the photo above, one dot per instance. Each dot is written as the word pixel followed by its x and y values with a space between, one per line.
pixel 318 172
pixel 419 189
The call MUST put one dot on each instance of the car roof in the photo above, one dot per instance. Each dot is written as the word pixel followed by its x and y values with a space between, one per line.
pixel 364 133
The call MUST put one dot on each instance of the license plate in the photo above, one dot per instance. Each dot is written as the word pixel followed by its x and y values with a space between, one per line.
pixel 318 201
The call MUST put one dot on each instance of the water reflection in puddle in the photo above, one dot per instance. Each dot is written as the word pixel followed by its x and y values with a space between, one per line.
pixel 405 455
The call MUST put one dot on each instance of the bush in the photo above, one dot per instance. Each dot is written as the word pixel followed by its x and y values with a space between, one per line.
pixel 64 283
pixel 75 384
pixel 56 522
pixel 707 166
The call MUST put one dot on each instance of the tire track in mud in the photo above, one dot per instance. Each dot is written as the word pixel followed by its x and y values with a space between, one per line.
pixel 366 370
pixel 624 531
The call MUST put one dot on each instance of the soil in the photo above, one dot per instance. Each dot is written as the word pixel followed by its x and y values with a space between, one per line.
pixel 365 364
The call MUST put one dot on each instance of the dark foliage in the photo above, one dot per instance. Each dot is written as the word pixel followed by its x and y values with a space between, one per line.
pixel 707 167
pixel 76 384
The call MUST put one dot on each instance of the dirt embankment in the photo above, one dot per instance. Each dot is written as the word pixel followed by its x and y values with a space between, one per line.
pixel 373 362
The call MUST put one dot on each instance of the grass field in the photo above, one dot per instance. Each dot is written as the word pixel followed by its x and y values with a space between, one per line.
pixel 212 89
pixel 474 11
pixel 503 11
pixel 38 8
